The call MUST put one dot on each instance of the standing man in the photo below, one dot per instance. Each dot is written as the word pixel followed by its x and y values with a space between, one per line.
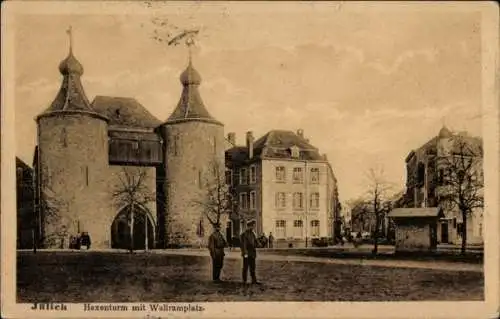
pixel 271 240
pixel 216 244
pixel 249 246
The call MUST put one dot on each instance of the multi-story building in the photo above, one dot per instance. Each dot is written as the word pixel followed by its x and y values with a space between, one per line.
pixel 283 183
pixel 426 185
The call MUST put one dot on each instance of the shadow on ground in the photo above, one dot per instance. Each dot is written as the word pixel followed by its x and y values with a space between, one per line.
pixel 449 256
pixel 117 277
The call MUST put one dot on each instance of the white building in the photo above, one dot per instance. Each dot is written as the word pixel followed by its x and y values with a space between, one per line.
pixel 283 183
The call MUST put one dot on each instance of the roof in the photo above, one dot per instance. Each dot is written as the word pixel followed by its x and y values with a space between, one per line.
pixel 237 154
pixel 21 164
pixel 71 97
pixel 277 144
pixel 125 111
pixel 190 106
pixel 430 147
pixel 416 212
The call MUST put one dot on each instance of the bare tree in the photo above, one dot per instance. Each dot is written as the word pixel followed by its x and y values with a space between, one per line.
pixel 133 192
pixel 378 196
pixel 216 201
pixel 461 180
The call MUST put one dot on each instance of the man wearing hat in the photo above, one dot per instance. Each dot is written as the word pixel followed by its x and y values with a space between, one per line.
pixel 249 244
pixel 216 244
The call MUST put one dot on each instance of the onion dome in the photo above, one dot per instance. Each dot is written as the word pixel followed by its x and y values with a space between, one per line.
pixel 190 76
pixel 445 132
pixel 191 106
pixel 71 97
pixel 70 65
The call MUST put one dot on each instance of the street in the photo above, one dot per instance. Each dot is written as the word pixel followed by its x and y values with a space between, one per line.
pixel 184 275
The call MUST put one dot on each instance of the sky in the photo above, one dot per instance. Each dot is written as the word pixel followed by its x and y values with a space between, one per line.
pixel 366 86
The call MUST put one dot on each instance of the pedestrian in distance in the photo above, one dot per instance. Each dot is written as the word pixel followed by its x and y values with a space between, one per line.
pixel 85 240
pixel 216 244
pixel 249 244
pixel 271 240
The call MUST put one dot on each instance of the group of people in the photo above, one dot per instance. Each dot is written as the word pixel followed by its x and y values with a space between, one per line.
pixel 79 241
pixel 249 242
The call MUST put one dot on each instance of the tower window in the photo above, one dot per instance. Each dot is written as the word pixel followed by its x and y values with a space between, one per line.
pixel 87 175
pixel 176 144
pixel 64 137
pixel 200 182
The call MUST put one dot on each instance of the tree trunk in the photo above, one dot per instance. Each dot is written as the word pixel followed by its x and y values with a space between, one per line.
pixel 132 227
pixel 375 235
pixel 464 232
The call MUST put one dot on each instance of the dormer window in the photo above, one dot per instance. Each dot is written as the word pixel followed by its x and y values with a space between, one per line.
pixel 294 151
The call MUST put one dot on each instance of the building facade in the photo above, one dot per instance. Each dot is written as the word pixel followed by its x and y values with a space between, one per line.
pixel 283 183
pixel 111 169
pixel 428 170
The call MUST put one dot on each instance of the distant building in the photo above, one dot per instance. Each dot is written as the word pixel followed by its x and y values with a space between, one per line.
pixel 25 196
pixel 425 184
pixel 283 183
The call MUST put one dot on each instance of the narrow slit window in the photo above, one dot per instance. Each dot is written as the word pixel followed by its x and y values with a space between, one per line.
pixel 64 137
pixel 87 175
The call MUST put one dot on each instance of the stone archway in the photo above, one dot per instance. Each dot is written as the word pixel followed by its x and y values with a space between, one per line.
pixel 121 230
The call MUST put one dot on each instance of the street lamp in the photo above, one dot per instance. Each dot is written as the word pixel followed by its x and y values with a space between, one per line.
pixel 306 197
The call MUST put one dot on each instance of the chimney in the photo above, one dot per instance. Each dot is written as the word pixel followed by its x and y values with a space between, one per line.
pixel 231 137
pixel 250 144
pixel 325 157
pixel 300 132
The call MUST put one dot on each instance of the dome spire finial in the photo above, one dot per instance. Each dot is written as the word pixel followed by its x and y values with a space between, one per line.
pixel 190 44
pixel 69 31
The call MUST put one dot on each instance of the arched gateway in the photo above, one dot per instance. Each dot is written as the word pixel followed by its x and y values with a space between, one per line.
pixel 143 229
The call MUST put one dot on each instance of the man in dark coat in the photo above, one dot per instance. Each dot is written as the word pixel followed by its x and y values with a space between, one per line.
pixel 271 240
pixel 216 244
pixel 249 246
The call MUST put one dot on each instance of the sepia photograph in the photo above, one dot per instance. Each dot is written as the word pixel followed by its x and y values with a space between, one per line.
pixel 315 159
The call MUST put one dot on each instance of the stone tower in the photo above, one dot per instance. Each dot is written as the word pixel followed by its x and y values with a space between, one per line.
pixel 194 147
pixel 71 163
